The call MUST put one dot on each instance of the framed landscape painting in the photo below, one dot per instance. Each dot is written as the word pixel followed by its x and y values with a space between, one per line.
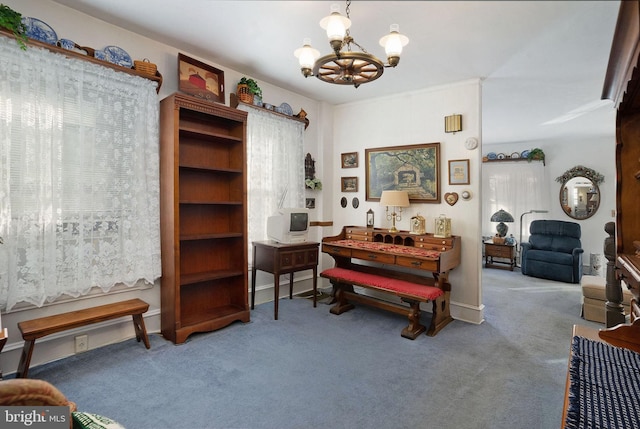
pixel 200 80
pixel 412 168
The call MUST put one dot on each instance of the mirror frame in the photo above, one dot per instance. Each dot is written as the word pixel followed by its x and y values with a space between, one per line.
pixel 588 173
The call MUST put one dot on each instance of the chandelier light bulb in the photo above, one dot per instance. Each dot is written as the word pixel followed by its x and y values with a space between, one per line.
pixel 306 55
pixel 335 24
pixel 393 43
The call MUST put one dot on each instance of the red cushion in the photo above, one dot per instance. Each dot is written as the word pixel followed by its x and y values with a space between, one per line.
pixel 381 282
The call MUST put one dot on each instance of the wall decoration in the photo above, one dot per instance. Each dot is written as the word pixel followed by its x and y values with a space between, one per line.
pixel 310 203
pixel 459 172
pixel 412 168
pixel 466 195
pixel 451 198
pixel 200 80
pixel 343 202
pixel 355 202
pixel 349 160
pixel 349 184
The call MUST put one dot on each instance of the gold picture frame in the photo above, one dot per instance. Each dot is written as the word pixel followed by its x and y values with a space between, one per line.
pixel 349 184
pixel 459 172
pixel 200 80
pixel 411 168
pixel 349 160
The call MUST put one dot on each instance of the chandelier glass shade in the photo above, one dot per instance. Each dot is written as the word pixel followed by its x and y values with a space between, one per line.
pixel 345 66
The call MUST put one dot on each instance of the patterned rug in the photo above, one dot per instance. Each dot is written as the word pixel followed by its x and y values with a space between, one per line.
pixel 605 386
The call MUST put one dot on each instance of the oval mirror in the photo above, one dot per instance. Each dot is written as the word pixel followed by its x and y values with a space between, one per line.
pixel 579 192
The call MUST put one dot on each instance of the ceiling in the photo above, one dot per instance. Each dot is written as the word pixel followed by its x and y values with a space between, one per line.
pixel 542 63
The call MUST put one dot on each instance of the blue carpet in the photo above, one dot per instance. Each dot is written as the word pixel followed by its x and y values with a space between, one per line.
pixel 313 369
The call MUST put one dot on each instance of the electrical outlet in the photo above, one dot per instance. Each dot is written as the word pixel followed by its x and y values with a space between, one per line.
pixel 82 343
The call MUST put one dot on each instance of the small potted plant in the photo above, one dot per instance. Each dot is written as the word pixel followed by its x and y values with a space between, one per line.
pixel 313 184
pixel 12 21
pixel 248 91
pixel 535 154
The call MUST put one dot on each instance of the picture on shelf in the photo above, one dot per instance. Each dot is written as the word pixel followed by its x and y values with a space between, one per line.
pixel 200 80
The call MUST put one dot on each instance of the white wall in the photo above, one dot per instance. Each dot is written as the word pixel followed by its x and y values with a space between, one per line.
pixel 414 118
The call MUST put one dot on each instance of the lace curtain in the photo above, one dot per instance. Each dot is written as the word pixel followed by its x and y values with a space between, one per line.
pixel 79 177
pixel 516 187
pixel 275 167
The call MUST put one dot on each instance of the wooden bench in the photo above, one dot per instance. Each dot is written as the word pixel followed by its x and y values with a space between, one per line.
pixel 409 288
pixel 38 328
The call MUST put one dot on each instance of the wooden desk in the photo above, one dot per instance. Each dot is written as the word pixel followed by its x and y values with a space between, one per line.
pixel 281 258
pixel 389 254
pixel 505 251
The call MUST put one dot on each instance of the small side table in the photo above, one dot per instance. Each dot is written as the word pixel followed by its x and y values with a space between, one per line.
pixel 280 258
pixel 503 251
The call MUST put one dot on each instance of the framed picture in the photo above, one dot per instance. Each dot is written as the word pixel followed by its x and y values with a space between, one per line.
pixel 349 160
pixel 459 172
pixel 413 168
pixel 310 203
pixel 349 184
pixel 200 80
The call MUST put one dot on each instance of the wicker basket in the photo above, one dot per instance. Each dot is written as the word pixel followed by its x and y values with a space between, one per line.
pixel 145 66
pixel 244 93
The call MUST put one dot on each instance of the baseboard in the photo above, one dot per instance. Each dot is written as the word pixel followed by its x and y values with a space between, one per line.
pixel 467 313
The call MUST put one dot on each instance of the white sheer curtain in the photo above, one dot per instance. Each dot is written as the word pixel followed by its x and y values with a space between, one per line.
pixel 516 187
pixel 275 162
pixel 79 177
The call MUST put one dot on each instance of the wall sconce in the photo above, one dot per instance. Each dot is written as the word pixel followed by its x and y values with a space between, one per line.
pixel 395 199
pixel 452 123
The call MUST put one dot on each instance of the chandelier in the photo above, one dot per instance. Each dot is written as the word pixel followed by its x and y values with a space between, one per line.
pixel 345 66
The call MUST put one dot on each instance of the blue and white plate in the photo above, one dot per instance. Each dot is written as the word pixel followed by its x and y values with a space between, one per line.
pixel 39 30
pixel 118 56
pixel 286 109
pixel 492 155
pixel 524 154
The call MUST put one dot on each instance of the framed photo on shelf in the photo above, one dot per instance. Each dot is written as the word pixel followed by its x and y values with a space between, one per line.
pixel 349 160
pixel 459 172
pixel 200 80
pixel 412 168
pixel 349 184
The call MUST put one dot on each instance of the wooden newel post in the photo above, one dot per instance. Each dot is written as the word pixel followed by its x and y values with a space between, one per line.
pixel 614 310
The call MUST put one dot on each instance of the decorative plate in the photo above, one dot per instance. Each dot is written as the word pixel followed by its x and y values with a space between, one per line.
pixel 492 155
pixel 524 154
pixel 515 155
pixel 39 30
pixel 286 109
pixel 501 155
pixel 118 56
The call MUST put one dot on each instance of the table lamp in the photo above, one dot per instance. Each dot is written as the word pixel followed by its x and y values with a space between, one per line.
pixel 394 199
pixel 502 216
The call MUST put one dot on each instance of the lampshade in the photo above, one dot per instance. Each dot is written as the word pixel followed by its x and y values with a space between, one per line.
pixel 395 198
pixel 502 217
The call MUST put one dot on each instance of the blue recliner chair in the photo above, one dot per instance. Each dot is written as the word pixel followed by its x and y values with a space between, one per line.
pixel 554 251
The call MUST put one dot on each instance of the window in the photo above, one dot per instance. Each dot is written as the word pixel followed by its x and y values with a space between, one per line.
pixel 79 177
pixel 275 168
